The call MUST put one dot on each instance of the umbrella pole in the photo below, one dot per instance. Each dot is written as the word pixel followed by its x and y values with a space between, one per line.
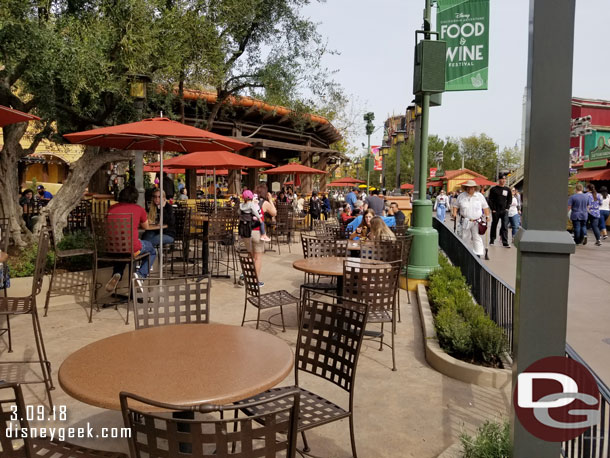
pixel 215 190
pixel 161 182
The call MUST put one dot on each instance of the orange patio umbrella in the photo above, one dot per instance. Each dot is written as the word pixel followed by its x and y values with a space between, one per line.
pixel 156 134
pixel 406 186
pixel 295 169
pixel 482 182
pixel 12 116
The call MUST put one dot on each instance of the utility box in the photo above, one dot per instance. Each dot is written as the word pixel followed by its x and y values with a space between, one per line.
pixel 429 68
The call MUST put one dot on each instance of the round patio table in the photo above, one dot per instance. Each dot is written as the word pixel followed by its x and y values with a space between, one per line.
pixel 184 364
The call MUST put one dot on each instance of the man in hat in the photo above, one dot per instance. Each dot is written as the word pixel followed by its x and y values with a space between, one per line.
pixel 44 196
pixel 471 207
pixel 500 199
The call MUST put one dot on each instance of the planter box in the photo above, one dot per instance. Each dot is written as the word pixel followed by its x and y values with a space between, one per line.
pixel 448 365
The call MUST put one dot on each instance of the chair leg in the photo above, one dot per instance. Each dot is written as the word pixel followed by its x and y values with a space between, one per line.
pixel 45 365
pixel 352 436
pixel 393 353
pixel 282 315
pixel 381 339
pixel 48 298
pixel 258 317
pixel 408 295
pixel 129 289
pixel 305 444
pixel 243 319
pixel 8 331
pixel 398 306
pixel 92 292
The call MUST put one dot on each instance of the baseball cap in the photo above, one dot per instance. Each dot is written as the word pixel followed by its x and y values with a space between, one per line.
pixel 247 194
pixel 39 187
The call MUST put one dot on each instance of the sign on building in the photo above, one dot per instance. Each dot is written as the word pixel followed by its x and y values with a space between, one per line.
pixel 464 25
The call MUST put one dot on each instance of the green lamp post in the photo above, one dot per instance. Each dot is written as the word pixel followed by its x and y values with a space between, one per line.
pixel 368 160
pixel 428 79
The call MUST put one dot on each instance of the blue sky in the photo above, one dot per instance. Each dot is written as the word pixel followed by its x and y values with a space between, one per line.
pixel 375 40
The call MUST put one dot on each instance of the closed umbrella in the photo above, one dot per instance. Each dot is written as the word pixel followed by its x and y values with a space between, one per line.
pixel 11 116
pixel 156 134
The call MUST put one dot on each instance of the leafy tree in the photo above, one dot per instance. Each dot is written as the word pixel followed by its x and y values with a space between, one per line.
pixel 71 61
pixel 480 154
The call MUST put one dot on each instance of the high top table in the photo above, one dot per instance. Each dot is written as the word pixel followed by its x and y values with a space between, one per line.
pixel 184 364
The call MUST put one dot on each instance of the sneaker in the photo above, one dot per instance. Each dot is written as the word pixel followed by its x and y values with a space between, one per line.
pixel 605 237
pixel 113 282
pixel 261 284
pixel 506 245
pixel 584 241
pixel 138 277
pixel 598 243
pixel 265 238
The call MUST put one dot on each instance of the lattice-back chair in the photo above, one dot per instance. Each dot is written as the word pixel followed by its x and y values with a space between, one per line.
pixel 375 284
pixel 284 222
pixel 270 434
pixel 314 247
pixel 221 236
pixel 179 300
pixel 205 206
pixel 113 235
pixel 182 222
pixel 253 294
pixel 4 242
pixel 328 346
pixel 12 306
pixel 12 405
pixel 79 219
pixel 66 282
pixel 320 228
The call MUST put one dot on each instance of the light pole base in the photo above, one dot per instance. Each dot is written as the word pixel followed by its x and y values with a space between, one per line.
pixel 424 250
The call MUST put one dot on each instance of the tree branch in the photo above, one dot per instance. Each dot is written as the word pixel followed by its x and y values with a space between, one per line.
pixel 44 133
pixel 242 45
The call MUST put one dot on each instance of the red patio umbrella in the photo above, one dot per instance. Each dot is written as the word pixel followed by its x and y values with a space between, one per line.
pixel 406 186
pixel 11 116
pixel 482 182
pixel 156 134
pixel 215 160
pixel 295 169
pixel 154 167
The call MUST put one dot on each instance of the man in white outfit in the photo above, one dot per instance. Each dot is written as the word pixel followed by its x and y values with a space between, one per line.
pixel 471 207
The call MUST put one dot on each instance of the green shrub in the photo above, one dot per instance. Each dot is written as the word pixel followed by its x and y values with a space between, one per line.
pixel 76 240
pixel 491 441
pixel 23 263
pixel 463 328
pixel 454 333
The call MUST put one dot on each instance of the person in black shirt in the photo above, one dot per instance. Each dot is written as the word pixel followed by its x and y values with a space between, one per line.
pixel 398 215
pixel 500 199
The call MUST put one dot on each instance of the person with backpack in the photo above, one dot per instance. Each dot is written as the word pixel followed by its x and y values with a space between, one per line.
pixel 250 213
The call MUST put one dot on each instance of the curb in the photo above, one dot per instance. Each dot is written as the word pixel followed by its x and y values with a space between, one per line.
pixel 450 366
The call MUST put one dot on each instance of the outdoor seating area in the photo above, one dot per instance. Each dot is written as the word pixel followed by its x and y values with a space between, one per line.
pixel 199 343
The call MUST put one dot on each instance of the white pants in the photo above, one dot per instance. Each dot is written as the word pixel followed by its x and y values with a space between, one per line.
pixel 470 235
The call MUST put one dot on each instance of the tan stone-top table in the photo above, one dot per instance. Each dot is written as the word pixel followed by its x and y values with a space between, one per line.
pixel 183 364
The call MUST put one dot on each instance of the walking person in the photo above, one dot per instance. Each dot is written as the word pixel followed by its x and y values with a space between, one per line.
pixel 595 202
pixel 315 208
pixel 500 198
pixel 514 212
pixel 577 210
pixel 471 207
pixel 441 204
pixel 604 211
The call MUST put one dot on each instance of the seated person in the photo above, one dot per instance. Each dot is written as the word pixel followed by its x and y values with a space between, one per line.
pixel 363 229
pixel 127 205
pixel 182 195
pixel 28 204
pixel 154 214
pixel 43 196
pixel 388 220
pixel 346 214
pixel 398 215
pixel 380 231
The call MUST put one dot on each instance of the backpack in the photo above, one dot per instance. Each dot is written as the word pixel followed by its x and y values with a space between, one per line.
pixel 314 207
pixel 244 228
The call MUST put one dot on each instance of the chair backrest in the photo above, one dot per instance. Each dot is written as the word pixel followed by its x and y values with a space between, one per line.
pixel 205 206
pixel 330 338
pixel 221 225
pixel 179 300
pixel 246 262
pixel 113 233
pixel 269 434
pixel 374 284
pixel 80 217
pixel 318 247
pixel 182 222
pixel 382 250
pixel 13 413
pixel 407 242
pixel 41 260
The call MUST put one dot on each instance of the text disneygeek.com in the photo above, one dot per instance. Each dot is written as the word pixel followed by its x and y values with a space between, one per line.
pixel 61 433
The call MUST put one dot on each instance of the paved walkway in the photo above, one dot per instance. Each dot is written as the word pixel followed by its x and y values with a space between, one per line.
pixel 414 412
pixel 589 297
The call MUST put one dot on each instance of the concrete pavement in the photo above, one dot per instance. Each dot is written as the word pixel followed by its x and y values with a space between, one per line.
pixel 414 412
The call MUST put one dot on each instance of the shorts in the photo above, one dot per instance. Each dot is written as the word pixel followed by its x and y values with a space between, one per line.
pixel 254 244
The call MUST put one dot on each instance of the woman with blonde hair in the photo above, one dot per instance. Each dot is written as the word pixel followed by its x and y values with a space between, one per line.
pixel 154 211
pixel 380 231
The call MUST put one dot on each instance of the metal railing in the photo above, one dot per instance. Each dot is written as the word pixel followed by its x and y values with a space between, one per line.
pixel 494 295
pixel 595 441
pixel 497 297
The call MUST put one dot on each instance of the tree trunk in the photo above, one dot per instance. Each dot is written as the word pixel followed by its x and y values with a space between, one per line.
pixel 9 186
pixel 73 188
